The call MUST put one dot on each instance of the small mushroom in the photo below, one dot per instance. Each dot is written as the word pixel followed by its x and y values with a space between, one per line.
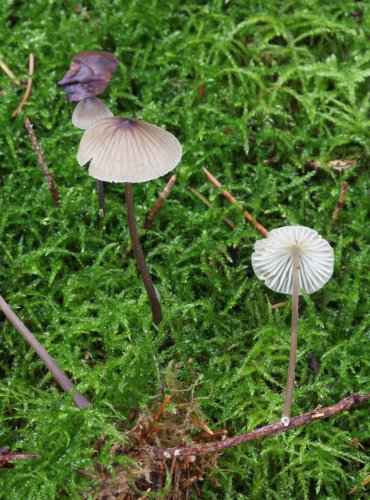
pixel 89 74
pixel 129 151
pixel 291 260
pixel 88 111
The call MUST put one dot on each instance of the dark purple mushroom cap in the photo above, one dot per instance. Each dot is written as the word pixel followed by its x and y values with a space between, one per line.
pixel 89 74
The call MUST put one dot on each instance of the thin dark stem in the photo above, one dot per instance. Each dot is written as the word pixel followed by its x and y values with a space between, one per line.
pixel 261 432
pixel 101 198
pixel 293 342
pixel 140 259
pixel 51 365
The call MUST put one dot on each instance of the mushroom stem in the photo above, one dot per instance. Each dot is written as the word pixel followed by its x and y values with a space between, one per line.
pixel 293 342
pixel 101 198
pixel 140 259
pixel 62 379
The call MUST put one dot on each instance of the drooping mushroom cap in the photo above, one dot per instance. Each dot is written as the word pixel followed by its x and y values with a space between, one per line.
pixel 272 259
pixel 128 150
pixel 89 111
pixel 89 74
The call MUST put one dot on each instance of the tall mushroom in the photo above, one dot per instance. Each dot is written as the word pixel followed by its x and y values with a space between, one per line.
pixel 291 260
pixel 129 151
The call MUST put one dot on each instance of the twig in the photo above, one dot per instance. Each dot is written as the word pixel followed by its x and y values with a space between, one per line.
pixel 31 65
pixel 364 483
pixel 9 72
pixel 340 202
pixel 279 305
pixel 338 165
pixel 149 218
pixel 204 200
pixel 40 157
pixel 202 425
pixel 262 432
pixel 163 406
pixel 231 199
pixel 59 375
pixel 6 456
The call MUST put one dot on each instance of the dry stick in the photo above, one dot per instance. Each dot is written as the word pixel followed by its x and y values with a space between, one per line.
pixel 293 342
pixel 231 198
pixel 340 202
pixel 262 432
pixel 31 64
pixel 150 217
pixel 166 191
pixel 40 157
pixel 140 259
pixel 101 198
pixel 9 72
pixel 62 379
pixel 204 200
pixel 279 305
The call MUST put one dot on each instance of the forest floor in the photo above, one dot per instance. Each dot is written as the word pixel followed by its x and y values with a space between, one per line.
pixel 273 99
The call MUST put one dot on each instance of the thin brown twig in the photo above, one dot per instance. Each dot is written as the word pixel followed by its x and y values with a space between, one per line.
pixel 166 191
pixel 40 157
pixel 204 200
pixel 340 202
pixel 9 72
pixel 212 179
pixel 163 406
pixel 262 432
pixel 279 305
pixel 364 483
pixel 202 425
pixel 31 65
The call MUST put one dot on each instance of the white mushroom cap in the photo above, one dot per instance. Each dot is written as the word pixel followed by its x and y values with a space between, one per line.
pixel 128 150
pixel 273 256
pixel 89 111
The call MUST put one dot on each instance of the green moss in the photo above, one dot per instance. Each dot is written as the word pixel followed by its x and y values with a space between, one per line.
pixel 253 91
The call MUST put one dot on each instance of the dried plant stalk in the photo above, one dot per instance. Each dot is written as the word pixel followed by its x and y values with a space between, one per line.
pixel 212 179
pixel 31 65
pixel 9 72
pixel 59 375
pixel 340 202
pixel 262 432
pixel 40 157
pixel 208 204
pixel 166 191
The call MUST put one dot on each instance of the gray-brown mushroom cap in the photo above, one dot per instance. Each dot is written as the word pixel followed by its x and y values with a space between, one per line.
pixel 128 150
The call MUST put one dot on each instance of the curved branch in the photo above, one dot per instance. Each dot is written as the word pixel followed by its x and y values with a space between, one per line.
pixel 262 432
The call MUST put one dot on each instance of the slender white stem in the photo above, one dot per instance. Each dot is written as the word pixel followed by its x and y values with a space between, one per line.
pixel 293 342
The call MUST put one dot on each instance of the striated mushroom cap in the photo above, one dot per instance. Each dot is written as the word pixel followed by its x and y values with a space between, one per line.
pixel 89 111
pixel 272 259
pixel 128 150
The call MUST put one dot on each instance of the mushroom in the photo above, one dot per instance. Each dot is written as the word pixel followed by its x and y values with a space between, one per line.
pixel 290 260
pixel 88 111
pixel 89 74
pixel 129 151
